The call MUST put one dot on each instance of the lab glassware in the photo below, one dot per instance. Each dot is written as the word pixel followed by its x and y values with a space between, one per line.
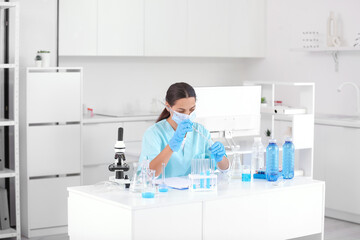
pixel 149 188
pixel 246 173
pixel 257 157
pixel 202 177
pixel 236 166
pixel 272 161
pixel 288 159
pixel 137 184
pixel 163 187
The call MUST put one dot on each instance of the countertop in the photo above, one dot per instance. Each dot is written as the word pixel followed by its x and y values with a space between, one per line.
pixel 337 120
pixel 236 188
pixel 103 118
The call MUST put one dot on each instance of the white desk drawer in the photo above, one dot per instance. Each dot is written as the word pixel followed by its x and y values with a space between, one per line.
pixel 48 201
pixel 98 143
pixel 53 149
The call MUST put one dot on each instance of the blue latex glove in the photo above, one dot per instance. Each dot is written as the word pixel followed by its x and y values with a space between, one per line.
pixel 218 151
pixel 179 135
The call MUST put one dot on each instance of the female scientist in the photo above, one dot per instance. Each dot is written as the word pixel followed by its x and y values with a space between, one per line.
pixel 171 140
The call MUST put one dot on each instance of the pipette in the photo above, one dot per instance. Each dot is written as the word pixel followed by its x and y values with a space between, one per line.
pixel 202 135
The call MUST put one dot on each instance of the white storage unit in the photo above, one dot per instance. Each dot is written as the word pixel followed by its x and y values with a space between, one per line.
pixel 11 122
pixel 298 126
pixel 193 28
pixel 337 163
pixel 50 147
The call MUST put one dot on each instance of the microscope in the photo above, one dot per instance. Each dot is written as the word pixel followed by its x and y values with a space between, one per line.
pixel 120 167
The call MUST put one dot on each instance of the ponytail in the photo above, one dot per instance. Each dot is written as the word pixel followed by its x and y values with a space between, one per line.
pixel 164 115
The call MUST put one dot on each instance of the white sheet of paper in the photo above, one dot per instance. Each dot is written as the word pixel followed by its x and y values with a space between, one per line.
pixel 176 182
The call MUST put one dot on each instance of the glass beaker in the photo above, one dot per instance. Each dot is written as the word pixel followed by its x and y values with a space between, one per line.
pixel 149 188
pixel 236 167
pixel 136 184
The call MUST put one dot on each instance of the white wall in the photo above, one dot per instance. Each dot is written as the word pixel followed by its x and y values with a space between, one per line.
pixel 129 85
pixel 286 19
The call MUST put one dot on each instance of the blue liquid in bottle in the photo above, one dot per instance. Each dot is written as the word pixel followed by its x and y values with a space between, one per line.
pixel 288 159
pixel 272 161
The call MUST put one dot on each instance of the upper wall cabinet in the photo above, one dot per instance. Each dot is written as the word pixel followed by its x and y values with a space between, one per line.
pixel 120 27
pixel 199 28
pixel 166 28
pixel 78 27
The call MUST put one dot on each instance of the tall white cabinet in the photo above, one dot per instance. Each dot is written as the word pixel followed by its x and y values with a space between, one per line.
pixel 50 147
pixel 11 122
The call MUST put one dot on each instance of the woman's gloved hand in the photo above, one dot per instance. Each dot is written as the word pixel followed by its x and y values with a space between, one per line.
pixel 218 151
pixel 179 135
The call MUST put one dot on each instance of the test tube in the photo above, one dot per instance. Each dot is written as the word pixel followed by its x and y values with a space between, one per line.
pixel 208 163
pixel 202 172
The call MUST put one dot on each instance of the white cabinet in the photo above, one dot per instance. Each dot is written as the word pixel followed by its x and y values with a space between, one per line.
pixel 98 147
pixel 53 150
pixel 194 28
pixel 78 27
pixel 226 28
pixel 208 28
pixel 98 143
pixel 337 162
pixel 247 28
pixel 50 147
pixel 53 97
pixel 165 28
pixel 120 27
pixel 48 198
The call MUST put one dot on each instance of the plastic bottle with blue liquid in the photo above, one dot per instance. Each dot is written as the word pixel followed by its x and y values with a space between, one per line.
pixel 288 159
pixel 272 161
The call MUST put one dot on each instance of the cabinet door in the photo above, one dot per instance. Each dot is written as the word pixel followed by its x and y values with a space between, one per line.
pixel 341 167
pixel 48 201
pixel 53 97
pixel 53 150
pixel 208 28
pixel 121 27
pixel 165 27
pixel 247 28
pixel 77 27
pixel 98 143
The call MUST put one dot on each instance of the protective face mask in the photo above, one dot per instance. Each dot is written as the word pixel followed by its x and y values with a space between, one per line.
pixel 179 117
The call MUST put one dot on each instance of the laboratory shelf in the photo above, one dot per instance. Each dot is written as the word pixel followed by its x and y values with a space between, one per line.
pixel 327 49
pixel 8 233
pixel 6 122
pixel 6 5
pixel 6 173
pixel 7 65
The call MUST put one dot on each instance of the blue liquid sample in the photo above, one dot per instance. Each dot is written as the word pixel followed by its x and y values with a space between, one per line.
pixel 163 189
pixel 148 195
pixel 201 181
pixel 246 177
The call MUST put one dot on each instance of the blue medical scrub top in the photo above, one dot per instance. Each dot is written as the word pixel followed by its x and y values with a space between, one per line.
pixel 158 136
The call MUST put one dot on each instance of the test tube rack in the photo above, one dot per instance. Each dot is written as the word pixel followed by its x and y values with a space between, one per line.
pixel 202 177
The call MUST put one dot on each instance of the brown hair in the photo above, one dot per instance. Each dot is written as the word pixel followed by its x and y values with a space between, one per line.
pixel 174 93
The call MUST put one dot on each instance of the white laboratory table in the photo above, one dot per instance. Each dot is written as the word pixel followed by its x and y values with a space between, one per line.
pixel 257 210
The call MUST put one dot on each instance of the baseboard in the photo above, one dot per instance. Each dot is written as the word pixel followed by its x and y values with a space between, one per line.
pixel 350 217
pixel 47 231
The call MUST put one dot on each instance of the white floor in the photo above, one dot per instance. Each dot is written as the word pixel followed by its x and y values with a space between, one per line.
pixel 334 230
